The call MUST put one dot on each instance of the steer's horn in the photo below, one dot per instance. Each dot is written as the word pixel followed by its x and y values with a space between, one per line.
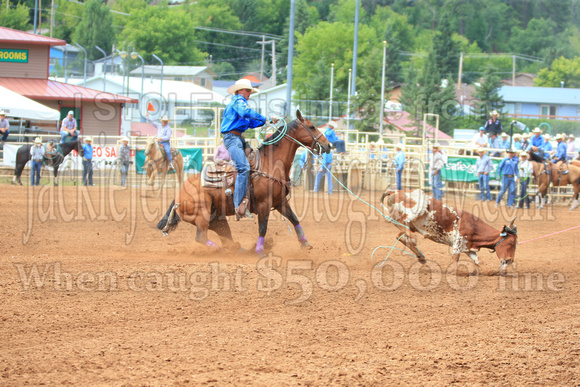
pixel 512 222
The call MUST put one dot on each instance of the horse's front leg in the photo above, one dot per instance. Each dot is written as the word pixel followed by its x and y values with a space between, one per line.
pixel 163 177
pixel 55 172
pixel 287 212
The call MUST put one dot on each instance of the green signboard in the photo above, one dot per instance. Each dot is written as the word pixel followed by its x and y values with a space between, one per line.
pixel 192 160
pixel 15 56
pixel 463 169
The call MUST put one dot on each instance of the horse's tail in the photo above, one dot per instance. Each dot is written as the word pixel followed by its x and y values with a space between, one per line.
pixel 170 221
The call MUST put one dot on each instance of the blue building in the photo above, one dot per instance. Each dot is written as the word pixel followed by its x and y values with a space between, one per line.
pixel 541 102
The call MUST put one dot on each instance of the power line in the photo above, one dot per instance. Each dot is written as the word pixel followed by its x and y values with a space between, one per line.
pixel 227 45
pixel 236 32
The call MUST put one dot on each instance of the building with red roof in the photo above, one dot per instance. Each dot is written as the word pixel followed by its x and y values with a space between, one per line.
pixel 24 69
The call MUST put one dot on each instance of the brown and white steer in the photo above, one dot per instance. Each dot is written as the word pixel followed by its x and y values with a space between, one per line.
pixel 461 230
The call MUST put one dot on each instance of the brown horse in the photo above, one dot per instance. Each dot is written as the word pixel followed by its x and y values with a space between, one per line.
pixel 156 162
pixel 556 176
pixel 207 208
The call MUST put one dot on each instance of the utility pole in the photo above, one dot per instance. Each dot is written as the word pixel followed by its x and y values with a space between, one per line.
pixel 382 107
pixel 355 48
pixel 460 71
pixel 273 62
pixel 51 16
pixel 290 57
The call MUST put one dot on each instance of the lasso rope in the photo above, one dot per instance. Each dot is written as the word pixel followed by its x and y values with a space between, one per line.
pixel 276 136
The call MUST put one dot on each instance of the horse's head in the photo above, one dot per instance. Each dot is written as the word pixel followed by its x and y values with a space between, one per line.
pixel 506 247
pixel 309 135
pixel 149 144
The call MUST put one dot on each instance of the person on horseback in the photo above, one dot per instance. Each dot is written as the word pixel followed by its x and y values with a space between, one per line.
pixel 561 150
pixel 164 133
pixel 69 127
pixel 238 117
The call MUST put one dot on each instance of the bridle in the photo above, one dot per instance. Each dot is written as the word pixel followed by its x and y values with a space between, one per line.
pixel 315 139
pixel 157 149
pixel 508 231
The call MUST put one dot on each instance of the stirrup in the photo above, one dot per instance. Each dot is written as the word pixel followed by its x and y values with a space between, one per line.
pixel 242 211
pixel 171 167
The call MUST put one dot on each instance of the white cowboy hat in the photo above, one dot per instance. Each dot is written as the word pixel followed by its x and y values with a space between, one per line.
pixel 517 135
pixel 124 139
pixel 547 136
pixel 436 145
pixel 560 136
pixel 70 113
pixel 524 154
pixel 332 124
pixel 37 140
pixel 242 84
pixel 399 146
pixel 89 138
pixel 494 113
pixel 537 130
pixel 571 136
pixel 526 135
pixel 2 113
pixel 165 118
pixel 504 134
pixel 511 150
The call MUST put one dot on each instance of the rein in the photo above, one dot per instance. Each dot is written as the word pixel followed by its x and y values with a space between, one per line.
pixel 157 149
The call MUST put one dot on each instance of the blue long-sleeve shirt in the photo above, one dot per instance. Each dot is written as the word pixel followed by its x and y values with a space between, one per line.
pixel 561 151
pixel 400 160
pixel 537 141
pixel 483 164
pixel 547 148
pixel 508 166
pixel 88 151
pixel 238 116
pixel 164 132
pixel 505 144
pixel 330 135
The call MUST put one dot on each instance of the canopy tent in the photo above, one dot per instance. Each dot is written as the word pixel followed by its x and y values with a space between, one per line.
pixel 19 106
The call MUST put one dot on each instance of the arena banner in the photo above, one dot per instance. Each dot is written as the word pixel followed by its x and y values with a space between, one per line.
pixel 192 160
pixel 463 169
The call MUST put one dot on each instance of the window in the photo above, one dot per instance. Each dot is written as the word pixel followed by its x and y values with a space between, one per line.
pixel 548 110
pixel 518 108
pixel 202 82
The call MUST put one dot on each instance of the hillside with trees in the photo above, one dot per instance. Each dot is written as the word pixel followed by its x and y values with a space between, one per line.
pixel 543 35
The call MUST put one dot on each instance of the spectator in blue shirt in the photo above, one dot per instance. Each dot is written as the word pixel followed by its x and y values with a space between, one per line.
pixel 561 150
pixel 507 171
pixel 547 147
pixel 324 167
pixel 536 144
pixel 238 117
pixel 399 164
pixel 331 136
pixel 483 166
pixel 517 142
pixel 495 143
pixel 88 162
pixel 505 141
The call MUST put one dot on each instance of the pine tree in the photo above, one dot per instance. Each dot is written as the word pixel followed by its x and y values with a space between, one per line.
pixel 487 96
pixel 423 93
pixel 368 99
pixel 446 49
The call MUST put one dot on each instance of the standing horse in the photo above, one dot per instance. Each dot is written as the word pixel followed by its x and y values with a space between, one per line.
pixel 156 162
pixel 23 156
pixel 555 176
pixel 207 208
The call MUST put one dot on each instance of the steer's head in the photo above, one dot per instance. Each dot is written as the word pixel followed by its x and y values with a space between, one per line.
pixel 506 247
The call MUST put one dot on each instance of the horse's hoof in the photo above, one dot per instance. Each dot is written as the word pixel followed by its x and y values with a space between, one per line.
pixel 306 246
pixel 241 250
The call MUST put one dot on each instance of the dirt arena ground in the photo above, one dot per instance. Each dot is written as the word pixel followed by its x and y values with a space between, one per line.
pixel 91 293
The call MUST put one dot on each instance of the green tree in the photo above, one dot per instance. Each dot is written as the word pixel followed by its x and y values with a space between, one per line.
pixel 368 100
pixel 167 33
pixel 445 48
pixel 487 96
pixel 538 36
pixel 329 43
pixel 16 18
pixel 95 29
pixel 66 19
pixel 562 70
pixel 424 93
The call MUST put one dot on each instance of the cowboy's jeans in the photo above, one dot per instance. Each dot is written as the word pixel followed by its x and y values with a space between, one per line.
pixel 484 187
pixel 321 172
pixel 167 149
pixel 508 184
pixel 235 146
pixel 65 134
